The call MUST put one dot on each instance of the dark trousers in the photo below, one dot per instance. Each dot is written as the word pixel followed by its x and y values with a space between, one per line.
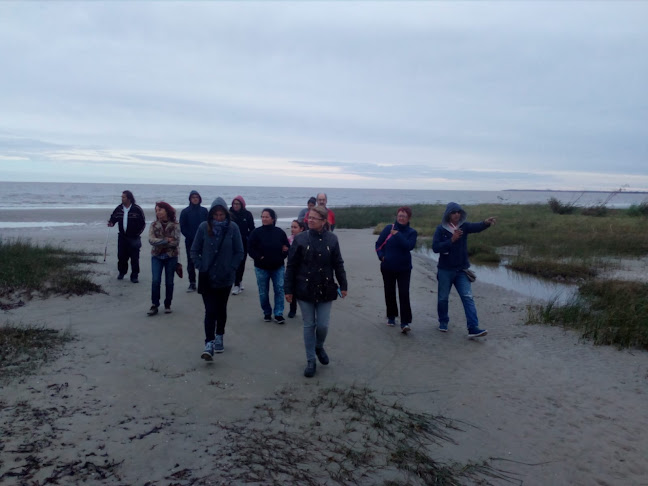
pixel 241 269
pixel 402 279
pixel 128 248
pixel 191 269
pixel 215 301
pixel 293 306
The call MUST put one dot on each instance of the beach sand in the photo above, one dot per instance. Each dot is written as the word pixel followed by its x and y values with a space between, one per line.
pixel 130 401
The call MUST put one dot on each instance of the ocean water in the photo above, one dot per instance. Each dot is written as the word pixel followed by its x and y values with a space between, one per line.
pixel 43 195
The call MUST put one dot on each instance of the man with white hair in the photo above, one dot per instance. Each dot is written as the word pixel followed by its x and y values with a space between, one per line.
pixel 322 199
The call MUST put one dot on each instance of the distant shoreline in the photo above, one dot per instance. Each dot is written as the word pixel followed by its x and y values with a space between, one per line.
pixel 564 190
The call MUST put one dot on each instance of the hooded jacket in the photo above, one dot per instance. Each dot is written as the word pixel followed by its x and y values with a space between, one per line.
pixel 217 255
pixel 191 217
pixel 265 247
pixel 395 254
pixel 244 219
pixel 454 256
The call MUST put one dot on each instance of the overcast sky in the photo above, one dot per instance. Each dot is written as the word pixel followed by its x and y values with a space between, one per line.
pixel 438 95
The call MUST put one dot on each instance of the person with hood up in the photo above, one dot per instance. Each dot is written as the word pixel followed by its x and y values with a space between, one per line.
pixel 190 219
pixel 314 257
pixel 268 247
pixel 217 251
pixel 245 221
pixel 451 241
pixel 393 247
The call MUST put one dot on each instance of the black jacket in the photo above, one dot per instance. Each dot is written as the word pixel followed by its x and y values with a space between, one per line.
pixel 265 247
pixel 245 222
pixel 136 220
pixel 312 260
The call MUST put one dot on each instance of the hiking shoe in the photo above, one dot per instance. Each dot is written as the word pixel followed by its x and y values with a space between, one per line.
pixel 322 356
pixel 191 288
pixel 443 327
pixel 391 321
pixel 280 319
pixel 152 311
pixel 309 371
pixel 292 314
pixel 121 276
pixel 167 309
pixel 267 317
pixel 208 353
pixel 236 290
pixel 476 332
pixel 134 279
pixel 218 344
pixel 405 328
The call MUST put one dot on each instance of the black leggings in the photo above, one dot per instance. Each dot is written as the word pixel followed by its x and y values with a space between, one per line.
pixel 215 301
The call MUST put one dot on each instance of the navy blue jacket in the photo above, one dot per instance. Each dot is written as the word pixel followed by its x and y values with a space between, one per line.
pixel 191 217
pixel 395 255
pixel 265 247
pixel 454 256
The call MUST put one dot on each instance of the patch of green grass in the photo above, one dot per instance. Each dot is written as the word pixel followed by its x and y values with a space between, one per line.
pixel 25 347
pixel 612 312
pixel 638 209
pixel 551 269
pixel 48 269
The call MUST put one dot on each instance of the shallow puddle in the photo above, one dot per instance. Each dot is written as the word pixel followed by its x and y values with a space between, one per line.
pixel 535 288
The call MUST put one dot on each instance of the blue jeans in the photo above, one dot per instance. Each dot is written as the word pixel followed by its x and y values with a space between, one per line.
pixel 263 281
pixel 157 264
pixel 316 317
pixel 446 279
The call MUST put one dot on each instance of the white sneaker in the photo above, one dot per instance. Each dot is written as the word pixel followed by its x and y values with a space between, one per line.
pixel 236 290
pixel 241 286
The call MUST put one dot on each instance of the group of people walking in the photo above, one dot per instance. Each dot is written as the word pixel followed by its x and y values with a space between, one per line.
pixel 218 240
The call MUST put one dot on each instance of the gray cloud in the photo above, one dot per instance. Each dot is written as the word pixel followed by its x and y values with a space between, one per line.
pixel 424 86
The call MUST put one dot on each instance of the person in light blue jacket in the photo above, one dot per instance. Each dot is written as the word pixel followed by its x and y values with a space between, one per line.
pixel 451 241
pixel 393 247
pixel 217 251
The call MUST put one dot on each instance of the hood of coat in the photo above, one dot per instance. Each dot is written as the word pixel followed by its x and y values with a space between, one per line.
pixel 197 194
pixel 219 201
pixel 450 208
pixel 239 199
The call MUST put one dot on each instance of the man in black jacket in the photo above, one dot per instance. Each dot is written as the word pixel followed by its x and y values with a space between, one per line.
pixel 131 222
pixel 190 219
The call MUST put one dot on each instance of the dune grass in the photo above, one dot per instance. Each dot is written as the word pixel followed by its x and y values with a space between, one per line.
pixel 47 269
pixel 610 312
pixel 24 347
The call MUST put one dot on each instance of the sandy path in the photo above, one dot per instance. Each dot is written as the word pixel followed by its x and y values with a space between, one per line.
pixel 132 389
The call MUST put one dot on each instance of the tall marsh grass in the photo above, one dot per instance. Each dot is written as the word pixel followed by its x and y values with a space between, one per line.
pixel 28 268
pixel 612 312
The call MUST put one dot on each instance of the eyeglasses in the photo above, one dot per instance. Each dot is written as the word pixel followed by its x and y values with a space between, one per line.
pixel 311 218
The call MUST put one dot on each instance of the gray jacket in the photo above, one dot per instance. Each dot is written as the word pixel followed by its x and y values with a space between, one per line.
pixel 218 255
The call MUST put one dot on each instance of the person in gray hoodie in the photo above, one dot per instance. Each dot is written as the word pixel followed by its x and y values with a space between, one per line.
pixel 190 219
pixel 217 251
pixel 451 241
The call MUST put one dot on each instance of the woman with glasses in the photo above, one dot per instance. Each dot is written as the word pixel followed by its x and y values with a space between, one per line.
pixel 314 262
pixel 451 241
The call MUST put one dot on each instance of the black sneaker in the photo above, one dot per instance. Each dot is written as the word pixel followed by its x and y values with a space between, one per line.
pixel 152 311
pixel 292 314
pixel 280 319
pixel 322 356
pixel 192 287
pixel 476 332
pixel 309 371
pixel 134 279
pixel 121 276
pixel 267 318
